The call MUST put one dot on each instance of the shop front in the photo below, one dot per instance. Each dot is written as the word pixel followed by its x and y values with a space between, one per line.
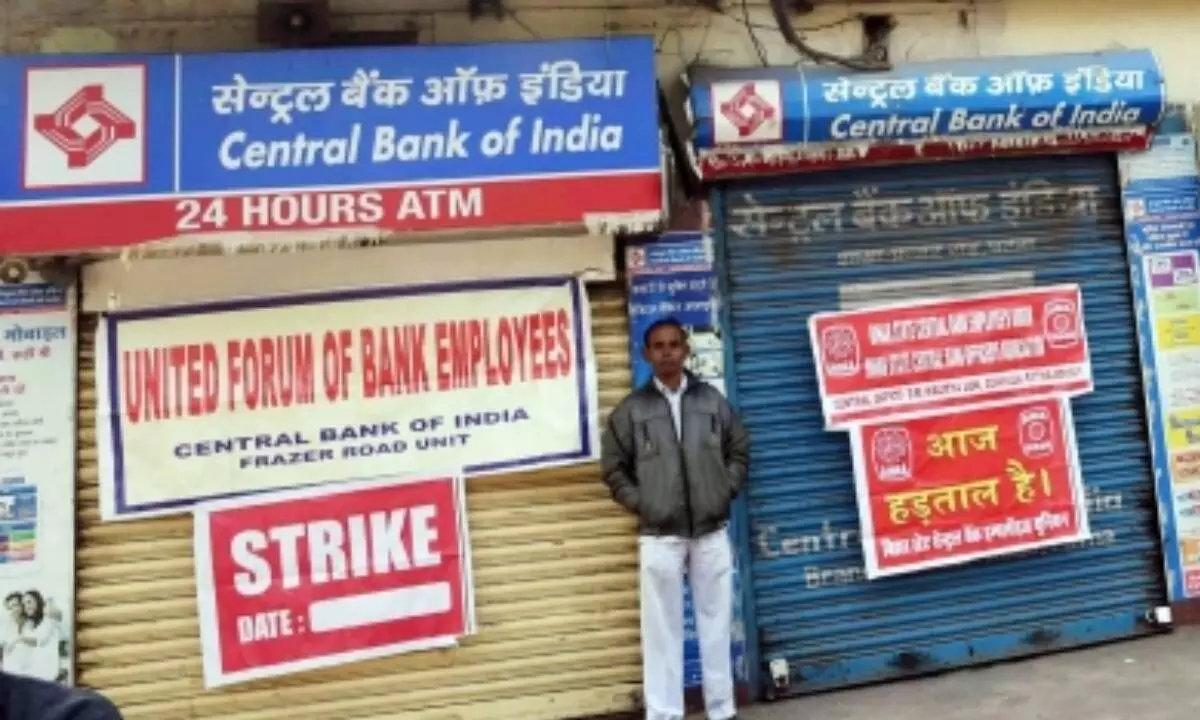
pixel 834 192
pixel 298 268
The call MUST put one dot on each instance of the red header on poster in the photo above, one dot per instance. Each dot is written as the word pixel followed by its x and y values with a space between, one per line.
pixel 327 575
pixel 916 359
pixel 953 488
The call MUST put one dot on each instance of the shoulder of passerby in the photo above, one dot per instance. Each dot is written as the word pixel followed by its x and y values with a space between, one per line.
pixel 85 705
pixel 23 698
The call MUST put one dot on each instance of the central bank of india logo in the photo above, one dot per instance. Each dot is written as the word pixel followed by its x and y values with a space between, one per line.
pixel 747 111
pixel 85 126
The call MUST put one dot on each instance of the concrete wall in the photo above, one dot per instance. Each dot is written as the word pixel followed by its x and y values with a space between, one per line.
pixel 687 34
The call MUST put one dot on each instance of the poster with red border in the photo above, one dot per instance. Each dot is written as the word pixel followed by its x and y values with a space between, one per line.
pixel 936 356
pixel 297 580
pixel 954 488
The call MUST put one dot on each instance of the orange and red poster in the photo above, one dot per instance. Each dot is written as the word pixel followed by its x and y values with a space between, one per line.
pixel 941 356
pixel 949 489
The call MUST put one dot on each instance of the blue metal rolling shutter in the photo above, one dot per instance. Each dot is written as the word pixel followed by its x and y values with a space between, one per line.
pixel 811 603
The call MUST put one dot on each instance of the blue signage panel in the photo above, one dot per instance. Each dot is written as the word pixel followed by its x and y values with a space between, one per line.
pixel 1161 194
pixel 1070 97
pixel 394 138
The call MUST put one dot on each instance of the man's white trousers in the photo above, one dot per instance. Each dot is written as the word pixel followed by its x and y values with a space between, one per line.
pixel 708 564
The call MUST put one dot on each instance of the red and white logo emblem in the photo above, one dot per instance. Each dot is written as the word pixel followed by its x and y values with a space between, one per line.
pixel 841 353
pixel 892 452
pixel 637 258
pixel 747 112
pixel 1061 324
pixel 85 126
pixel 1037 432
pixel 107 126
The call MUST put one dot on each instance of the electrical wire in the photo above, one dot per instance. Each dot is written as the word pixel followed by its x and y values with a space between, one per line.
pixel 780 11
pixel 522 24
pixel 759 49
pixel 749 24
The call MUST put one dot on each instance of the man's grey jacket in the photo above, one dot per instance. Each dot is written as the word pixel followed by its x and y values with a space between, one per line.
pixel 681 488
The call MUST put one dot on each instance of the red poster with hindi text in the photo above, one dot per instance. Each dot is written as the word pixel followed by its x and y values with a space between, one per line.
pixel 893 362
pixel 949 489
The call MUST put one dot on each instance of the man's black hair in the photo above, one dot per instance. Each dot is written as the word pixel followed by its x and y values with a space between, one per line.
pixel 660 323
pixel 12 596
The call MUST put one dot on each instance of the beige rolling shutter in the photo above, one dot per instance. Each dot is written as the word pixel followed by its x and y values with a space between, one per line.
pixel 556 583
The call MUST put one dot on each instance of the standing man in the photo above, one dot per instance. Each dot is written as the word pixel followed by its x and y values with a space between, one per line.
pixel 675 454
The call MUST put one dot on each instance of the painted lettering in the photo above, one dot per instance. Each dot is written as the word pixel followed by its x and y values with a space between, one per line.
pixel 239 152
pixel 771 544
pixel 440 203
pixel 311 209
pixel 589 135
pixel 473 353
pixel 270 372
pixel 265 626
pixel 170 381
pixel 392 146
pixel 357 546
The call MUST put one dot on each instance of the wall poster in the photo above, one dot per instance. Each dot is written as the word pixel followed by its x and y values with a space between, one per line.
pixel 949 489
pixel 37 478
pixel 1161 196
pixel 210 400
pixel 935 356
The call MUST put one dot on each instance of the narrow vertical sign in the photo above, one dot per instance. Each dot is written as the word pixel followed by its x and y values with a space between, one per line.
pixel 1161 196
pixel 37 478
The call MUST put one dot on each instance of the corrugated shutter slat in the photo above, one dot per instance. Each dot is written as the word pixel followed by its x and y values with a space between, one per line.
pixel 556 592
pixel 814 606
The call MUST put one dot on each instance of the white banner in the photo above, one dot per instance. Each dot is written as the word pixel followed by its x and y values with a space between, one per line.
pixel 37 479
pixel 212 400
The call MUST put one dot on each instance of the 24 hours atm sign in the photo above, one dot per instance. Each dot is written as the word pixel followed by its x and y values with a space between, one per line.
pixel 390 140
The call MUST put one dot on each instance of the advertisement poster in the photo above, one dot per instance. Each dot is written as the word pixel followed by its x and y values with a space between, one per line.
pixel 204 401
pixel 311 578
pixel 963 486
pixel 936 356
pixel 350 141
pixel 673 277
pixel 37 479
pixel 1161 194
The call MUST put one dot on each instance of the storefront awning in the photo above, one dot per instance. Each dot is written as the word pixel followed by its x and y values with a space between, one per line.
pixel 754 121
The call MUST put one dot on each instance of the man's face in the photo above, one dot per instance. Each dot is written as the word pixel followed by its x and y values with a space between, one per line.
pixel 666 351
pixel 13 606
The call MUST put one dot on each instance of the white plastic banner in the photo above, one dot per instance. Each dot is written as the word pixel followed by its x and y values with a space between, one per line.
pixel 213 400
